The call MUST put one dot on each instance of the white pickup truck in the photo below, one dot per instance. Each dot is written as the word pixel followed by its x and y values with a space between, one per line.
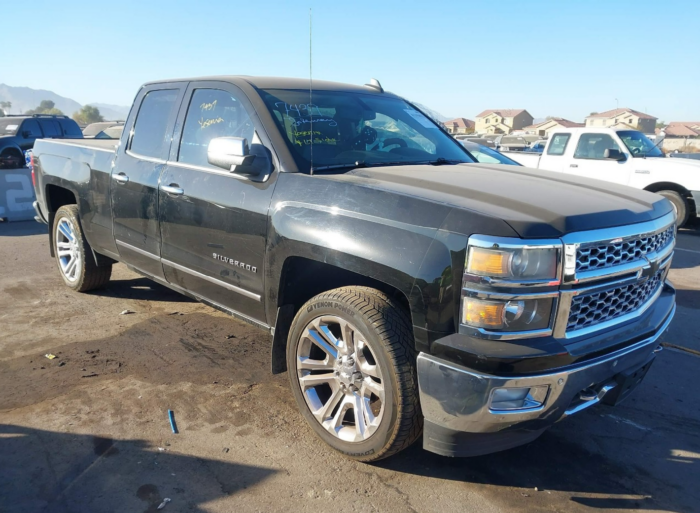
pixel 626 157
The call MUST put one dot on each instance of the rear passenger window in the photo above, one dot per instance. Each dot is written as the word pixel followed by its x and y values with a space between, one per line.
pixel 212 113
pixel 151 136
pixel 558 144
pixel 50 128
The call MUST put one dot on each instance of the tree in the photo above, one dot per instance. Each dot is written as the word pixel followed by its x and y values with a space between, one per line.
pixel 593 113
pixel 88 114
pixel 45 107
pixel 5 108
pixel 661 124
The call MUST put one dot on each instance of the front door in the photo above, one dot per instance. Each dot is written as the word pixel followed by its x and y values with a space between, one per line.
pixel 589 159
pixel 135 175
pixel 213 221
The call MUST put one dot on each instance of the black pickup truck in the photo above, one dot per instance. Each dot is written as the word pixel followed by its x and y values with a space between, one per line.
pixel 406 287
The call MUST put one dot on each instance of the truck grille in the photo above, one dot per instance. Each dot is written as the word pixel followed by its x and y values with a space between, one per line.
pixel 600 256
pixel 589 309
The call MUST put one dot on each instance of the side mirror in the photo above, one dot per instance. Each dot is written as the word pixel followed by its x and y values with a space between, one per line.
pixel 611 154
pixel 232 154
pixel 26 134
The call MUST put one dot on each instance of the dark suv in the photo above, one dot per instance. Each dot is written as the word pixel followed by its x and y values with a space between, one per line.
pixel 18 133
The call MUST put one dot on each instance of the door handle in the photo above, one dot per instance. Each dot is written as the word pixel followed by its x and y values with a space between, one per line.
pixel 121 178
pixel 172 189
pixel 573 165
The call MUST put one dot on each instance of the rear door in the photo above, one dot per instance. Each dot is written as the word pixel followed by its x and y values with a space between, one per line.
pixel 135 175
pixel 214 222
pixel 50 127
pixel 589 160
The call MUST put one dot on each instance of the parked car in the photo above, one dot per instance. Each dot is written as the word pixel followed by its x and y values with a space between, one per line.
pixel 624 157
pixel 113 132
pixel 536 147
pixel 405 287
pixel 693 156
pixel 18 134
pixel 487 155
pixel 97 130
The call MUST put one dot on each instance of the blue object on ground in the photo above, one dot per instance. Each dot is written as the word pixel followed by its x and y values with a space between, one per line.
pixel 171 416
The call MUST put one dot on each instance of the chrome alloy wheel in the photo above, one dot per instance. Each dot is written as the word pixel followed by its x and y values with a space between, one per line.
pixel 67 250
pixel 340 378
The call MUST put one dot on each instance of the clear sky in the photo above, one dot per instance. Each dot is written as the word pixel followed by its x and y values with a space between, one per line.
pixel 560 58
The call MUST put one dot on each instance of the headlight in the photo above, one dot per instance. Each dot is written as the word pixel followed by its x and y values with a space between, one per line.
pixel 507 315
pixel 514 263
pixel 504 293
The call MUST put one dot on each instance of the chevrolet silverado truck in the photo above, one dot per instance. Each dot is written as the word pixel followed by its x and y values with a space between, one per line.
pixel 407 288
pixel 621 156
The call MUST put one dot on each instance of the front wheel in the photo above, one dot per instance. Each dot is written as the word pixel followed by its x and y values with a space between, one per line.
pixel 679 205
pixel 73 253
pixel 351 362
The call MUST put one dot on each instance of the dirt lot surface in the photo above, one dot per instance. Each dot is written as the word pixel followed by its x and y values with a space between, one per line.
pixel 89 431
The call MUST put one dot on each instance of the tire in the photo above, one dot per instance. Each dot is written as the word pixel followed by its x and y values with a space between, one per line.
pixel 679 204
pixel 363 402
pixel 73 253
pixel 11 159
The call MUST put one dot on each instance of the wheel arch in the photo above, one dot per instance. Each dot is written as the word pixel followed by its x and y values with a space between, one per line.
pixel 302 278
pixel 55 197
pixel 668 186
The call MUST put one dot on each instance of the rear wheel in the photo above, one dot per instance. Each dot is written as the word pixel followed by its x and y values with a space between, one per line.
pixel 351 362
pixel 679 205
pixel 73 253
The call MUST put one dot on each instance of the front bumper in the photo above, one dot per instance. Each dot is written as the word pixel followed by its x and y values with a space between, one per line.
pixel 461 420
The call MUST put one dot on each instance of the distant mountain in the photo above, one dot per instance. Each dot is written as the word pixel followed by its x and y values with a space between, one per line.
pixel 112 112
pixel 25 98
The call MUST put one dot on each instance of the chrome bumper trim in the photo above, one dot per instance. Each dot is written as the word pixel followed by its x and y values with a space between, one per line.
pixel 458 398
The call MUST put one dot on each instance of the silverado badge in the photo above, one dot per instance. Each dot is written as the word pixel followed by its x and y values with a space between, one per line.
pixel 235 263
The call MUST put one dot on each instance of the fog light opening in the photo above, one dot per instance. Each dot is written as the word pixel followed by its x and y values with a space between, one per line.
pixel 520 398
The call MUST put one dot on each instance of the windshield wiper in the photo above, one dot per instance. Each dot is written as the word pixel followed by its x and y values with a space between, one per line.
pixel 360 164
pixel 353 165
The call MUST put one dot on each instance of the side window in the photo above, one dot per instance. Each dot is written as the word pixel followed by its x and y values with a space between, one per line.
pixel 50 128
pixel 558 144
pixel 151 137
pixel 30 129
pixel 212 113
pixel 70 128
pixel 593 146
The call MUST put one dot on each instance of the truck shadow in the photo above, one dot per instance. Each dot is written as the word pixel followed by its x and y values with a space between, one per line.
pixel 22 229
pixel 141 288
pixel 45 471
pixel 554 464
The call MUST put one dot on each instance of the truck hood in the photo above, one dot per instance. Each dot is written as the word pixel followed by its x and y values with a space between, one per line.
pixel 534 203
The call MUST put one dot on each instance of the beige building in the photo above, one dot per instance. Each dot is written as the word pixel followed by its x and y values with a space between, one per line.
pixel 459 126
pixel 623 118
pixel 550 125
pixel 682 129
pixel 502 121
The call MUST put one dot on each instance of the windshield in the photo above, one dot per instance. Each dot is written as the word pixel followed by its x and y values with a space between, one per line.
pixel 486 155
pixel 9 126
pixel 639 145
pixel 354 129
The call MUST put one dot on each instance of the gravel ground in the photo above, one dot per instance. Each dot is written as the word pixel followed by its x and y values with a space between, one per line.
pixel 88 430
